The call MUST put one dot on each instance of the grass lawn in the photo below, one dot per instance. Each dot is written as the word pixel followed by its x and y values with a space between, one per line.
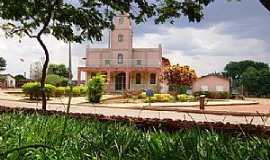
pixel 89 139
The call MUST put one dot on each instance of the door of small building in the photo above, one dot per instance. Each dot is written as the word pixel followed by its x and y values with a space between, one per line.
pixel 120 82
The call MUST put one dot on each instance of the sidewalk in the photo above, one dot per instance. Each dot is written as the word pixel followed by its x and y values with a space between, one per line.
pixel 257 120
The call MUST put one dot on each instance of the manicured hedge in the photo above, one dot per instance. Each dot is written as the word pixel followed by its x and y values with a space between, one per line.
pixel 168 98
pixel 32 89
pixel 186 98
pixel 213 95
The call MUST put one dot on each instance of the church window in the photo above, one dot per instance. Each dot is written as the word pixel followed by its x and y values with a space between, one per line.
pixel 120 58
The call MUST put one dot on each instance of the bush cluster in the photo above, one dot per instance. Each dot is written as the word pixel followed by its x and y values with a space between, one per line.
pixel 32 89
pixel 186 98
pixel 56 80
pixel 95 88
pixel 168 98
pixel 213 95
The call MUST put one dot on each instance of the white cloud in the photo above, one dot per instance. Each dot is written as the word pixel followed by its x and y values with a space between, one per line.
pixel 208 49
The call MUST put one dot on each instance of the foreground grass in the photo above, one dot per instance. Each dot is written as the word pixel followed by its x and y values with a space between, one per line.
pixel 88 139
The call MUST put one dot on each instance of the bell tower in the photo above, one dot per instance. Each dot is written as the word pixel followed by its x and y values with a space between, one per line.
pixel 121 36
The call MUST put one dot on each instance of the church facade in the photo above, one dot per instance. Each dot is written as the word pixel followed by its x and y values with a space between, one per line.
pixel 127 68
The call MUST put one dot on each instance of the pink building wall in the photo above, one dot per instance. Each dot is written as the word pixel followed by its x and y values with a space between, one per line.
pixel 214 84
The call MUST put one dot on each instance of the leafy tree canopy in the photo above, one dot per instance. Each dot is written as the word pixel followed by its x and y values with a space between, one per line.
pixel 3 64
pixel 19 77
pixel 181 75
pixel 256 82
pixel 235 69
pixel 58 69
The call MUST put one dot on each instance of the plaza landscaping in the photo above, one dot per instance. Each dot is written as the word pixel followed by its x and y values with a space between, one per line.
pixel 36 136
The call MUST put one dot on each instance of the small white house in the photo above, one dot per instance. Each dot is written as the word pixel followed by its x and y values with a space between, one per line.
pixel 9 81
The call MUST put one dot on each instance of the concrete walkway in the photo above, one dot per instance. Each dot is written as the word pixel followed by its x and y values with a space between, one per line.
pixel 257 120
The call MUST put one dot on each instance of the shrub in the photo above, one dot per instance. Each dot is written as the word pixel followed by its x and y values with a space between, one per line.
pixel 182 98
pixel 178 88
pixel 142 95
pixel 59 91
pixel 213 95
pixel 192 98
pixel 56 80
pixel 32 89
pixel 49 89
pixel 95 88
pixel 163 97
pixel 76 91
pixel 83 90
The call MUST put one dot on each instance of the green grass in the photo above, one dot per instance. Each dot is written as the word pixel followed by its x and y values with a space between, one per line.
pixel 89 139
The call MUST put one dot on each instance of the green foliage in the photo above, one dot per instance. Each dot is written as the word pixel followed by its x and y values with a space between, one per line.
pixel 163 97
pixel 76 91
pixel 19 77
pixel 256 82
pixel 186 98
pixel 235 70
pixel 213 95
pixel 158 98
pixel 178 88
pixel 90 139
pixel 142 95
pixel 95 88
pixel 3 64
pixel 56 80
pixel 59 91
pixel 32 89
pixel 58 69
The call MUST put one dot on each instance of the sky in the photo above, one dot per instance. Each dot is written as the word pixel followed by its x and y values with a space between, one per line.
pixel 230 31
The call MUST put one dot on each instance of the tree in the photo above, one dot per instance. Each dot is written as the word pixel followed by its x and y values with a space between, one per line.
pixel 266 4
pixel 56 80
pixel 58 69
pixel 236 69
pixel 249 79
pixel 3 64
pixel 19 77
pixel 256 82
pixel 179 78
pixel 85 19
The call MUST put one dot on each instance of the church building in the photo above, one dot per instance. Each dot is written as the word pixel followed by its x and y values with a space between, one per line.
pixel 127 68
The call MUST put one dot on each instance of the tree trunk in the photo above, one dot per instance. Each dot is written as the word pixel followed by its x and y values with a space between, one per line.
pixel 44 72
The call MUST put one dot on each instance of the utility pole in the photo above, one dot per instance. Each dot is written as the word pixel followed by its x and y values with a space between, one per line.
pixel 69 76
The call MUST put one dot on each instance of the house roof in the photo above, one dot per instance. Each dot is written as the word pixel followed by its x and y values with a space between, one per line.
pixel 5 75
pixel 214 75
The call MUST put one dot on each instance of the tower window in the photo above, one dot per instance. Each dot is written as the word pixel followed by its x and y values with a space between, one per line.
pixel 120 58
pixel 120 38
pixel 121 20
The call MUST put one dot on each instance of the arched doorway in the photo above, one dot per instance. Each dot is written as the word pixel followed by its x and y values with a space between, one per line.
pixel 120 82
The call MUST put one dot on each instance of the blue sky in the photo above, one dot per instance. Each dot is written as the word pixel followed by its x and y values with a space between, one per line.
pixel 230 31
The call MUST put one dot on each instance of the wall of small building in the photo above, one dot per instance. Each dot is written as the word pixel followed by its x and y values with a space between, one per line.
pixel 212 83
pixel 11 82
